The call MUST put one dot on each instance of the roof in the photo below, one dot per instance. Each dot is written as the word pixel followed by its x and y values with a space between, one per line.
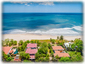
pixel 6 50
pixel 61 54
pixel 68 44
pixel 11 51
pixel 31 45
pixel 31 51
pixel 32 56
pixel 57 48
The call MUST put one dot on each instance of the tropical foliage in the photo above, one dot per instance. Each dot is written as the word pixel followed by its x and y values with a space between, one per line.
pixel 64 59
pixel 24 55
pixel 6 57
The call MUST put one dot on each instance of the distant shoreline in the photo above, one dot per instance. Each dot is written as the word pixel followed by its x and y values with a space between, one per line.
pixel 35 36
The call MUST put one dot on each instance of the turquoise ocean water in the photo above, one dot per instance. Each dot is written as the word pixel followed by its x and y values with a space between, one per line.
pixel 43 23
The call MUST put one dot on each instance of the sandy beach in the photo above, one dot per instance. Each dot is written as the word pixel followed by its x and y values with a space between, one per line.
pixel 35 36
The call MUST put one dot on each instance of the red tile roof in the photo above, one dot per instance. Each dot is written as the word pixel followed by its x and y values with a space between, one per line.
pixel 31 45
pixel 32 56
pixel 61 54
pixel 11 51
pixel 57 48
pixel 6 50
pixel 31 51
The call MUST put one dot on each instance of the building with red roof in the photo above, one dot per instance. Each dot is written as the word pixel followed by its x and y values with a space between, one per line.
pixel 32 50
pixel 7 50
pixel 59 50
pixel 61 54
pixel 32 45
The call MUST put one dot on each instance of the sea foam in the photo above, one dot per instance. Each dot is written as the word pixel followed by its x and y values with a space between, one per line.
pixel 55 31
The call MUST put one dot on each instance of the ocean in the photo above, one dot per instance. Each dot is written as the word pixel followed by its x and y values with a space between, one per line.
pixel 43 23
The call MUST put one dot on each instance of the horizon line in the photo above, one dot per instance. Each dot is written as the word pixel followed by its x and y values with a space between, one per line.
pixel 41 12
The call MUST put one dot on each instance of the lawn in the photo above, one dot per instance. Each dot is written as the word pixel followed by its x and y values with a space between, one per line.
pixel 48 41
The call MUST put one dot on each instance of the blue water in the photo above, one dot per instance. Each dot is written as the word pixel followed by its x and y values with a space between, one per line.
pixel 43 23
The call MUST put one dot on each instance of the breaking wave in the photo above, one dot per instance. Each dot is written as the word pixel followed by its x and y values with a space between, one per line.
pixel 56 31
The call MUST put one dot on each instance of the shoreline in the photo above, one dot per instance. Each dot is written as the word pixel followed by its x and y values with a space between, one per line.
pixel 18 37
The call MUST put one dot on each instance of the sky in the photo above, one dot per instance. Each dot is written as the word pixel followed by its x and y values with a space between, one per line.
pixel 42 7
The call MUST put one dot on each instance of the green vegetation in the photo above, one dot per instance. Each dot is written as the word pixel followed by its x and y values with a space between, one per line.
pixel 53 41
pixel 6 57
pixel 24 55
pixel 64 59
pixel 49 46
pixel 26 61
pixel 45 50
pixel 75 56
pixel 78 45
pixel 20 42
pixel 9 42
pixel 61 37
pixel 42 55
pixel 58 37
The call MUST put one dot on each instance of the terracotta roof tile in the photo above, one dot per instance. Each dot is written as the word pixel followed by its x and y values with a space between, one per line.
pixel 61 54
pixel 31 51
pixel 57 48
pixel 11 51
pixel 31 45
pixel 6 49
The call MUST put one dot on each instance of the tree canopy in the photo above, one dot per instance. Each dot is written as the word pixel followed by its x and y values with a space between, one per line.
pixel 64 59
pixel 24 55
pixel 61 37
pixel 43 48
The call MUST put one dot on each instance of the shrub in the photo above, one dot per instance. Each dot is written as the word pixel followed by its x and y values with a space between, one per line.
pixel 58 37
pixel 26 61
pixel 49 46
pixel 75 56
pixel 10 44
pixel 64 59
pixel 20 42
pixel 53 41
pixel 24 55
pixel 8 59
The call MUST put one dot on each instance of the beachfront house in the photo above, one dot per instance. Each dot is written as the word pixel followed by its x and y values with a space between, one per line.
pixel 7 50
pixel 59 50
pixel 32 50
pixel 68 44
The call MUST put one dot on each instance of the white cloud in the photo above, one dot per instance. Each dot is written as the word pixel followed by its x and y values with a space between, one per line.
pixel 46 3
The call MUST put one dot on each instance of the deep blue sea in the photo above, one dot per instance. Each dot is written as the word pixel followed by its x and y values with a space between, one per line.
pixel 43 23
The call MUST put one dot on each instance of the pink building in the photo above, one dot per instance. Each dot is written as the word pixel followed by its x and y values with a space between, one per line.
pixel 32 50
